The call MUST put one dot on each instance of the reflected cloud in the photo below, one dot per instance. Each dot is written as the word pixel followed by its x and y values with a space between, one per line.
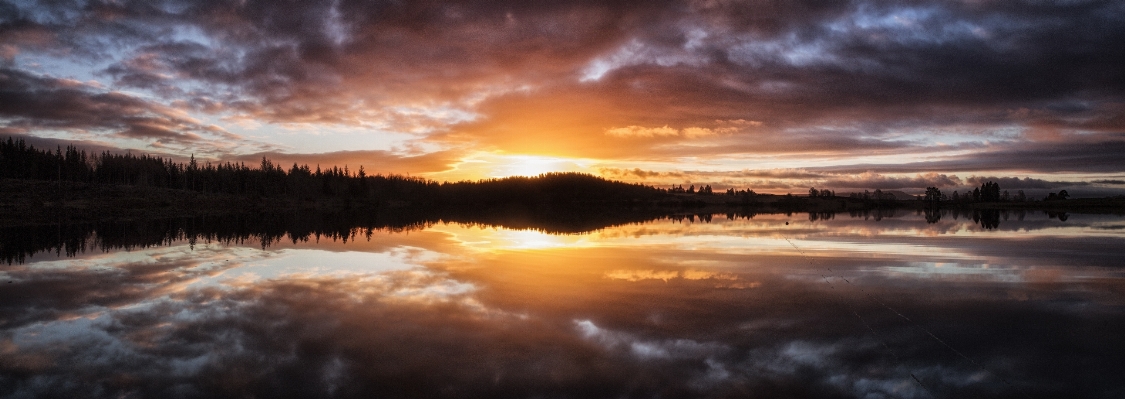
pixel 633 310
pixel 614 340
pixel 723 280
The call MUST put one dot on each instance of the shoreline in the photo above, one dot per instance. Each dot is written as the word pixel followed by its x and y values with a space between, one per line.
pixel 37 202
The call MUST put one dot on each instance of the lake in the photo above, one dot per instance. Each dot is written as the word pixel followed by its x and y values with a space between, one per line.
pixel 896 305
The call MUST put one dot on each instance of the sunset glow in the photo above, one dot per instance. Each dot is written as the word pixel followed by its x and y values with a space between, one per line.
pixel 492 165
pixel 562 199
pixel 777 97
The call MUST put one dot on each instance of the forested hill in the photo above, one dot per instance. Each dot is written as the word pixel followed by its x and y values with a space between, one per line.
pixel 302 182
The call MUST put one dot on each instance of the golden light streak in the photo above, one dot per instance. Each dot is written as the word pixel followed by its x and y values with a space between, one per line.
pixel 499 165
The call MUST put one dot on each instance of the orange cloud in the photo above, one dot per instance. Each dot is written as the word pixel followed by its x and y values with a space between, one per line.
pixel 373 161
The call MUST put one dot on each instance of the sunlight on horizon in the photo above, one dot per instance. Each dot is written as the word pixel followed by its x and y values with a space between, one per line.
pixel 487 165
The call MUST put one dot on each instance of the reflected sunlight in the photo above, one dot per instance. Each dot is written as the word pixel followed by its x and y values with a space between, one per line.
pixel 498 239
pixel 530 239
pixel 642 298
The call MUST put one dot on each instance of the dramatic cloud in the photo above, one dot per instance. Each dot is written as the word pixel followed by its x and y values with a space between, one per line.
pixel 844 180
pixel 372 161
pixel 637 131
pixel 31 103
pixel 978 88
pixel 1027 182
pixel 1078 156
pixel 886 182
pixel 689 132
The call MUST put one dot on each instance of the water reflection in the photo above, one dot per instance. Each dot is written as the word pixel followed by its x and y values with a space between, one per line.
pixel 987 218
pixel 688 306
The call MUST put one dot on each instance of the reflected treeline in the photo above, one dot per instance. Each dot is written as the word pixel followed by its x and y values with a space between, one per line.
pixel 19 243
pixel 1061 216
pixel 875 214
pixel 692 218
pixel 70 239
pixel 988 219
pixel 814 216
pixel 707 217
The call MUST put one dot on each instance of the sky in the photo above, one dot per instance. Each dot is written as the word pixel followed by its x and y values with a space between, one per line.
pixel 776 96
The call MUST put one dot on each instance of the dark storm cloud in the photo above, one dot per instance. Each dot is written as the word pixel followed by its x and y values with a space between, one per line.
pixel 89 146
pixel 958 52
pixel 33 102
pixel 842 54
pixel 1027 182
pixel 822 143
pixel 39 100
pixel 1079 156
pixel 873 180
pixel 311 61
pixel 864 54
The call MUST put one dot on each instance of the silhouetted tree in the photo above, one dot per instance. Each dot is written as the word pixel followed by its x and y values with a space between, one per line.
pixel 933 197
pixel 988 192
pixel 989 219
pixel 1062 195
pixel 933 215
pixel 21 161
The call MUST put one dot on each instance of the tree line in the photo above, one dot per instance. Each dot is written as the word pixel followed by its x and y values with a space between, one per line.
pixel 19 160
pixel 866 195
pixel 267 179
pixel 987 192
pixel 679 189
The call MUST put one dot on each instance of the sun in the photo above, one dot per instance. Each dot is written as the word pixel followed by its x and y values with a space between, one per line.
pixel 531 165
pixel 490 165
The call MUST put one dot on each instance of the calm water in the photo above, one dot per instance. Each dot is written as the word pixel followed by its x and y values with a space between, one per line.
pixel 743 307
